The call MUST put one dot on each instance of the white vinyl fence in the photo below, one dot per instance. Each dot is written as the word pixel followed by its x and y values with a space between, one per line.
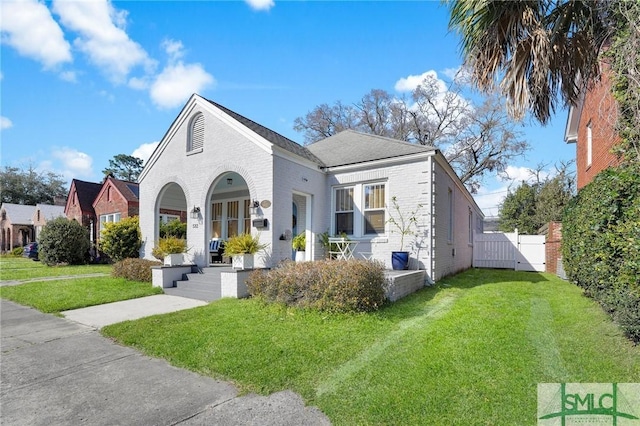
pixel 509 251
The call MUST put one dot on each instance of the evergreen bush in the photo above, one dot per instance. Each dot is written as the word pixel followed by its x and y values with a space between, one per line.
pixel 601 244
pixel 121 240
pixel 63 241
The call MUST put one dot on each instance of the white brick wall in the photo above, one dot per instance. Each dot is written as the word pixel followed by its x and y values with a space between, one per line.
pixel 276 175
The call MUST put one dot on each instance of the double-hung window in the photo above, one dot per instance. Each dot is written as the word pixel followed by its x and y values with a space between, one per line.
pixel 344 210
pixel 108 218
pixel 374 215
pixel 360 210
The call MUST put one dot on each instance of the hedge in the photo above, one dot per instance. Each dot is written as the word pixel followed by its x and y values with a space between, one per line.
pixel 601 244
pixel 335 286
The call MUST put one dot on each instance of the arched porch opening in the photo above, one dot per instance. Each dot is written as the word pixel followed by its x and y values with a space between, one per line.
pixel 229 210
pixel 171 206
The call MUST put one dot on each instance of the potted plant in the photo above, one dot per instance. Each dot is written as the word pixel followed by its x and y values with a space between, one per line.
pixel 242 249
pixel 170 250
pixel 299 244
pixel 402 225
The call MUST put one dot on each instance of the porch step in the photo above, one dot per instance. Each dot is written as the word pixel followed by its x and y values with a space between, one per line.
pixel 202 285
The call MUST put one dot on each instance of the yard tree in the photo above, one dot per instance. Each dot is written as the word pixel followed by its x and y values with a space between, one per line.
pixel 30 187
pixel 538 52
pixel 476 138
pixel 124 167
pixel 533 205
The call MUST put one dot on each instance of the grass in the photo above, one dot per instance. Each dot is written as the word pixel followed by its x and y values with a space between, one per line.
pixel 61 295
pixel 468 351
pixel 20 268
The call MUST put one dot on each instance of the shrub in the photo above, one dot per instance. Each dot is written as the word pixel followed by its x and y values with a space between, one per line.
pixel 349 286
pixel 121 240
pixel 243 244
pixel 63 241
pixel 17 251
pixel 174 228
pixel 169 245
pixel 601 244
pixel 134 269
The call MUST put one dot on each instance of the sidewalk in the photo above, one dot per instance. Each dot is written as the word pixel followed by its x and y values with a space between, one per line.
pixel 57 372
pixel 111 313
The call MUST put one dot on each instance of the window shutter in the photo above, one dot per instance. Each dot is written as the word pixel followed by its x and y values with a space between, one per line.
pixel 197 133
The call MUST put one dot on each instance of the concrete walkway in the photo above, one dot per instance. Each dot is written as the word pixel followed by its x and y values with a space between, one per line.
pixel 4 283
pixel 58 372
pixel 111 313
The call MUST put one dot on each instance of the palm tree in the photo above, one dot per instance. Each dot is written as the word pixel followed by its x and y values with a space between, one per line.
pixel 541 49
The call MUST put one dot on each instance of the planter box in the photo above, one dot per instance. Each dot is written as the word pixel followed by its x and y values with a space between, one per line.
pixel 174 259
pixel 242 261
pixel 301 256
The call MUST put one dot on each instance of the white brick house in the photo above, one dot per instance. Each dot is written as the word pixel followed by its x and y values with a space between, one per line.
pixel 216 165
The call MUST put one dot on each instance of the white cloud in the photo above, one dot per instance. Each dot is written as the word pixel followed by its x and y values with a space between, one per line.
pixel 102 36
pixel 28 27
pixel 520 174
pixel 260 4
pixel 408 84
pixel 489 199
pixel 5 123
pixel 451 72
pixel 69 76
pixel 174 49
pixel 177 82
pixel 74 163
pixel 145 150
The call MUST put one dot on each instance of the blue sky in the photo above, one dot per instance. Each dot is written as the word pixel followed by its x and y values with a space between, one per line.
pixel 84 81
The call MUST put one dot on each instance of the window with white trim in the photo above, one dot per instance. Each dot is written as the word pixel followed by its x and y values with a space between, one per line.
pixel 470 226
pixel 450 215
pixel 374 211
pixel 166 218
pixel 108 218
pixel 230 217
pixel 343 209
pixel 360 210
pixel 195 138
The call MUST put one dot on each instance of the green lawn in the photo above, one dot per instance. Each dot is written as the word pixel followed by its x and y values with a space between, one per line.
pixel 61 295
pixel 468 351
pixel 19 268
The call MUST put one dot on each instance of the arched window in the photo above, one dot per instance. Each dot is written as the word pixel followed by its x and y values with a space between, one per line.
pixel 195 140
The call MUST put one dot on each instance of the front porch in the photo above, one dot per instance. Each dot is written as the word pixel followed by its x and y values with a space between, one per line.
pixel 215 282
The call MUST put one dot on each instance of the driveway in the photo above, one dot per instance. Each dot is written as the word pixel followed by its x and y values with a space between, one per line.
pixel 56 372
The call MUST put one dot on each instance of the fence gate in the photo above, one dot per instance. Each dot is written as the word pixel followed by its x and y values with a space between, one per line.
pixel 509 251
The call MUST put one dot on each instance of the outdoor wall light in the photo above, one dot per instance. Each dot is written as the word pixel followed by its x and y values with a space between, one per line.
pixel 229 181
pixel 254 207
pixel 195 212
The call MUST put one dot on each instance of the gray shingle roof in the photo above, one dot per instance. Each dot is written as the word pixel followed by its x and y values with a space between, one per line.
pixel 19 214
pixel 273 137
pixel 351 147
pixel 48 211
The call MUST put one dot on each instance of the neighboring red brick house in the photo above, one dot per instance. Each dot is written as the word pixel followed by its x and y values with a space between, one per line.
pixel 591 126
pixel 80 205
pixel 116 200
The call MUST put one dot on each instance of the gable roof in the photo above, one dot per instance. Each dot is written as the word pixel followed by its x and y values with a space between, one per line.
pixel 129 190
pixel 351 147
pixel 19 214
pixel 48 211
pixel 86 192
pixel 270 135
